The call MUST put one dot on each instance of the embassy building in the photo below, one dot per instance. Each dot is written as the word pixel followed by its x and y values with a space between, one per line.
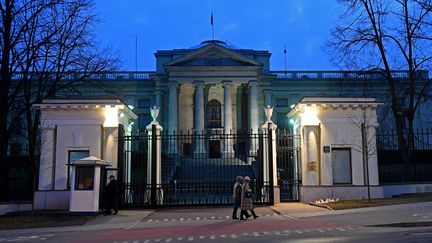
pixel 211 92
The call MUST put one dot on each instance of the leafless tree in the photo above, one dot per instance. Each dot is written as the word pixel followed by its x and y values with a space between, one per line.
pixel 384 35
pixel 48 48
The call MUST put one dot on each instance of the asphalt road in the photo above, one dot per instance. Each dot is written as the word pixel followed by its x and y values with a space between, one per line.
pixel 215 225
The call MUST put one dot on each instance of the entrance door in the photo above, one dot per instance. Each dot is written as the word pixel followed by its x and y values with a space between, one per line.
pixel 288 152
pixel 214 149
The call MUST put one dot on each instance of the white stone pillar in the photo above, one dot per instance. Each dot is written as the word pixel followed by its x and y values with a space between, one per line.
pixel 228 149
pixel 47 165
pixel 172 115
pixel 159 129
pixel 199 117
pixel 253 115
pixel 111 145
pixel 266 158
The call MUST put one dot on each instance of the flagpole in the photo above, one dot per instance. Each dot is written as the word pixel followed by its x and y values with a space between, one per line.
pixel 211 22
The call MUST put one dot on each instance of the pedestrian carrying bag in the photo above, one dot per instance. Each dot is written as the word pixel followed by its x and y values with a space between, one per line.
pixel 248 194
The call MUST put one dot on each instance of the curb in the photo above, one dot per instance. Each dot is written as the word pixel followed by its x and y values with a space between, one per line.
pixel 321 206
pixel 404 224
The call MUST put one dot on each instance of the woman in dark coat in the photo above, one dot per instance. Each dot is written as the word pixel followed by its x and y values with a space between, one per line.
pixel 237 194
pixel 246 200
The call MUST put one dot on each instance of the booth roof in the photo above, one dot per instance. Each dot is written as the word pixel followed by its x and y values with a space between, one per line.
pixel 92 160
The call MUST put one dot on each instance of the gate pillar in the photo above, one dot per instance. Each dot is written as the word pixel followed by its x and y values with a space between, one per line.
pixel 154 173
pixel 269 157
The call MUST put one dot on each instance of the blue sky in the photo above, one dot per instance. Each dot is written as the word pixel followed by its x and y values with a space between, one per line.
pixel 302 25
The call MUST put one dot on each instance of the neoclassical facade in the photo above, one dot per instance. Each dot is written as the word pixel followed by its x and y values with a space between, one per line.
pixel 217 86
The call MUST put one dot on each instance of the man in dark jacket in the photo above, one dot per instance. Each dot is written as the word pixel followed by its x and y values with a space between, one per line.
pixel 112 191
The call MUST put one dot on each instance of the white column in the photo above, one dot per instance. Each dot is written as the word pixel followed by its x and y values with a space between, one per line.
pixel 199 117
pixel 159 129
pixel 267 98
pixel 227 118
pixel 253 115
pixel 158 98
pixel 253 105
pixel 172 115
pixel 47 165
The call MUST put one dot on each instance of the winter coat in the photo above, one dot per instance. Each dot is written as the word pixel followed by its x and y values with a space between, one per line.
pixel 237 192
pixel 246 202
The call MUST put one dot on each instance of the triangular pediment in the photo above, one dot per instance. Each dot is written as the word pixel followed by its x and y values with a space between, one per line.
pixel 212 55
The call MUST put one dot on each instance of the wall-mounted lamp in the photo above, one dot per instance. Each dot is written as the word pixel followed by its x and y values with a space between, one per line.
pixel 309 117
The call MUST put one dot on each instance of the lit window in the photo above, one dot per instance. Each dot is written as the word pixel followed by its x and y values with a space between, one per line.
pixel 75 155
pixel 214 117
pixel 84 178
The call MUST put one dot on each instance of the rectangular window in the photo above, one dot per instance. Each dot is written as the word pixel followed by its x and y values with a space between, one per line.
pixel 84 177
pixel 281 102
pixel 143 103
pixel 75 155
pixel 341 165
pixel 143 121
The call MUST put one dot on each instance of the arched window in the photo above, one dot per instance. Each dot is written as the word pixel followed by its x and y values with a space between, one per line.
pixel 214 117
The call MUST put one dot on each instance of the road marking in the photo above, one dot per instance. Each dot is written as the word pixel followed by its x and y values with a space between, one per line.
pixel 234 236
pixel 204 218
pixel 341 229
pixel 255 233
pixel 165 220
pixel 197 218
pixel 299 232
pixel 136 241
pixel 320 230
pixel 287 232
pixel 191 238
pixel 149 220
pixel 180 238
pixel 202 237
pixel 146 241
pixel 181 219
pixel 277 233
pixel 227 217
pixel 290 217
pixel 245 234
pixel 157 240
pixel 212 217
pixel 222 236
pixel 157 220
pixel 212 237
pixel 168 240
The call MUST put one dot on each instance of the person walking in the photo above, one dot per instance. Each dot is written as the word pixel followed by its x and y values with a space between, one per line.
pixel 237 194
pixel 246 200
pixel 112 196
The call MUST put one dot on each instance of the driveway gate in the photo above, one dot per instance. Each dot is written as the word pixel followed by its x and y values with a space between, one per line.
pixel 288 165
pixel 196 169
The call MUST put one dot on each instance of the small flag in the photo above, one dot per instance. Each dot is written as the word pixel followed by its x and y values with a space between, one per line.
pixel 211 19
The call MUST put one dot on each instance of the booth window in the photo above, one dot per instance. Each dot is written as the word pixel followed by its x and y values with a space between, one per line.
pixel 74 155
pixel 84 178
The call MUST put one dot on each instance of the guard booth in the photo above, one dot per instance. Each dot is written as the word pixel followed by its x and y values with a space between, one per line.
pixel 88 183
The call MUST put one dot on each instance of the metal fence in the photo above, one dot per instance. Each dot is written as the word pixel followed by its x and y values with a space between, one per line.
pixel 392 168
pixel 16 179
pixel 196 168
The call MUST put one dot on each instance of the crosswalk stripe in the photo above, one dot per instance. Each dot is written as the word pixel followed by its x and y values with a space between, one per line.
pixel 181 219
pixel 320 230
pixel 255 233
pixel 150 220
pixel 168 240
pixel 341 229
pixel 234 236
pixel 212 237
